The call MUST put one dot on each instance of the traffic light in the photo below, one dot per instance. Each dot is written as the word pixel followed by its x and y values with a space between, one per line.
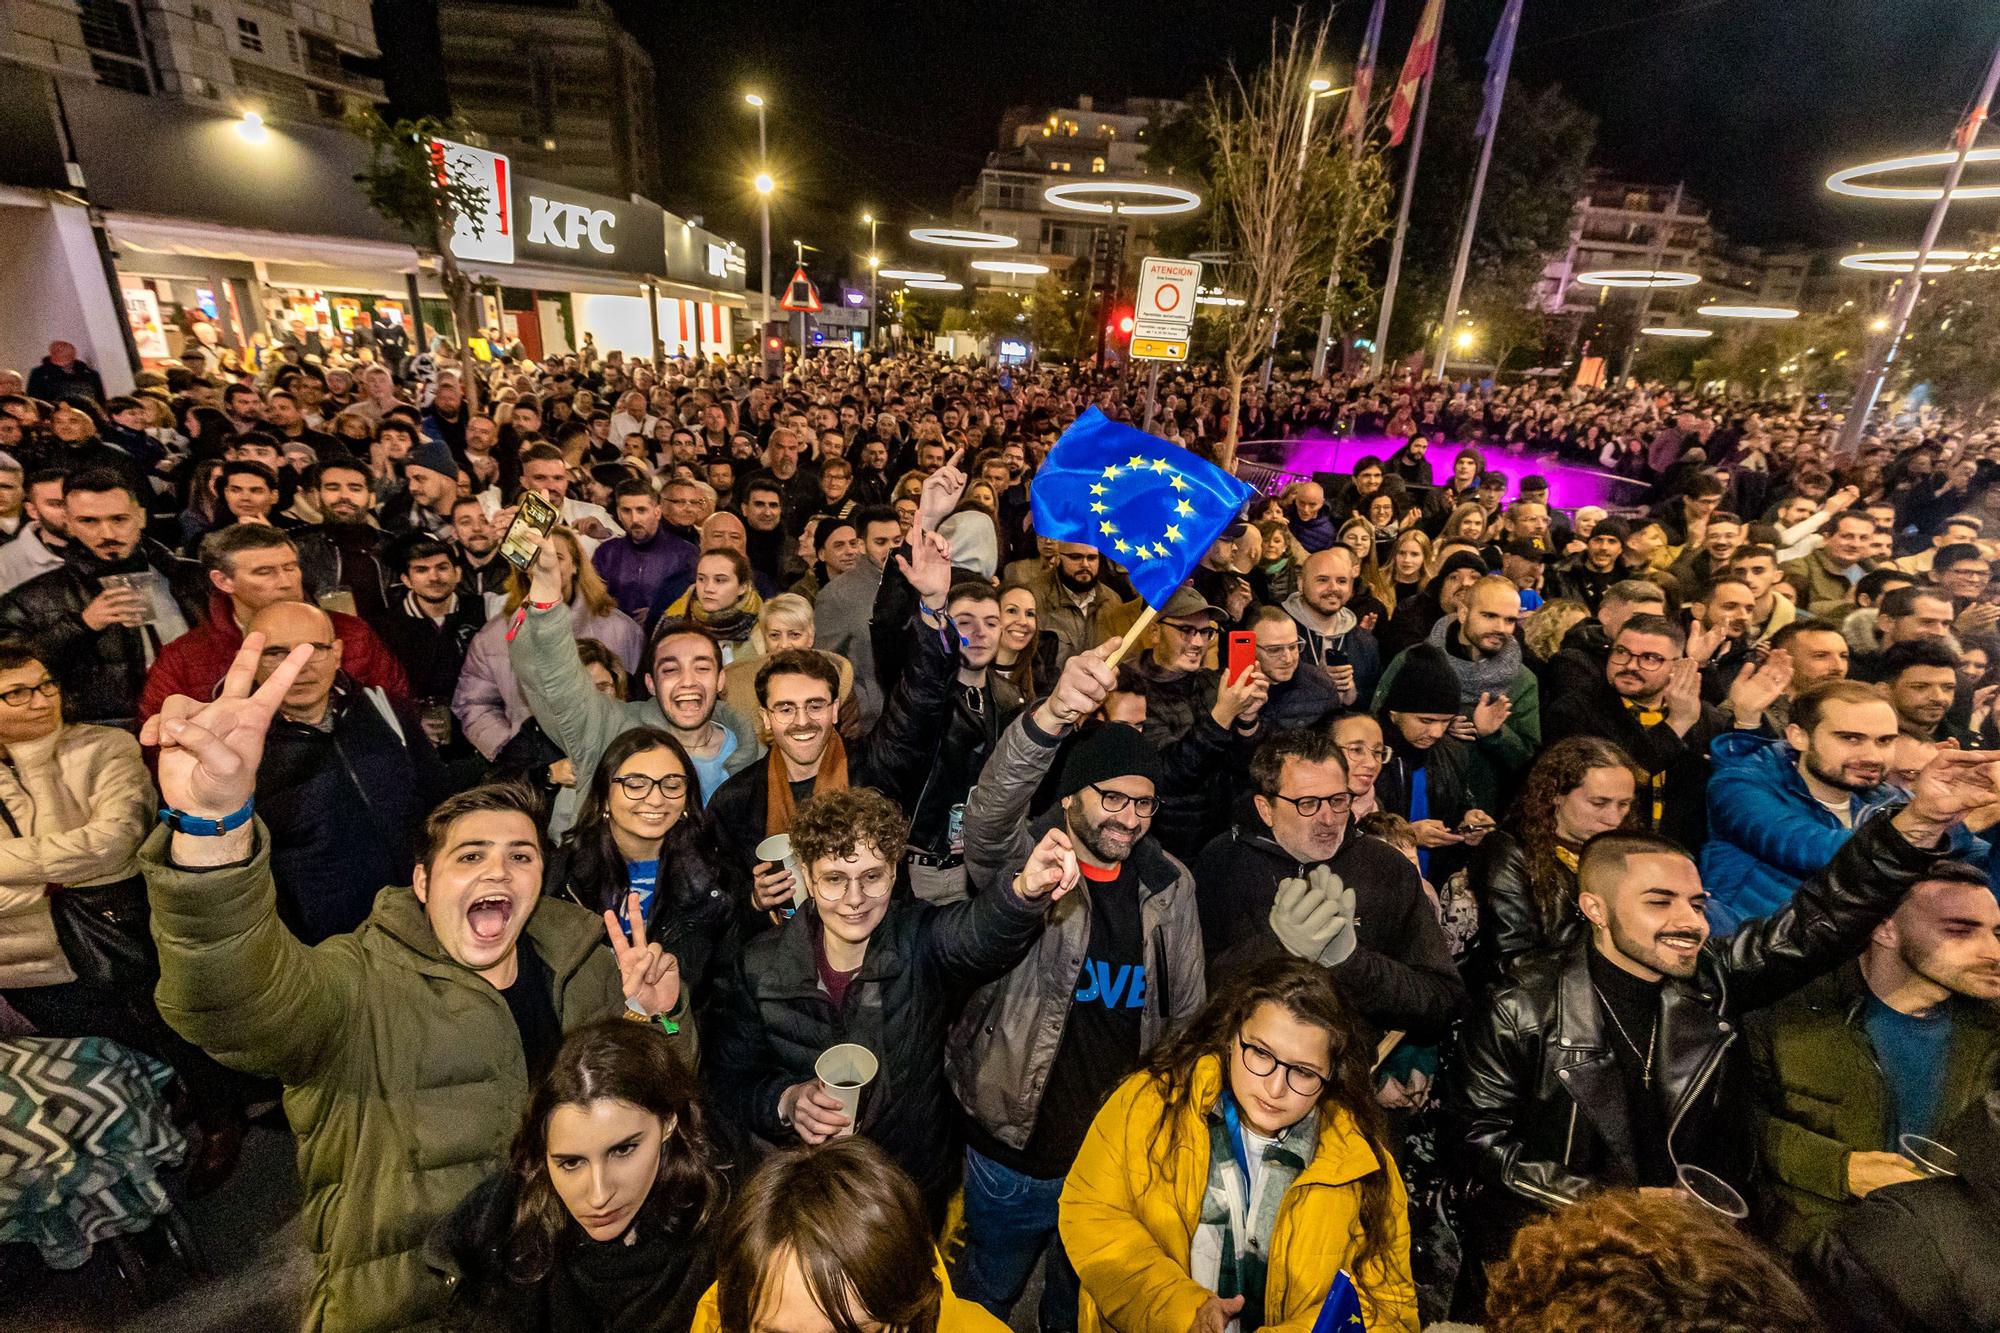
pixel 1118 324
pixel 774 349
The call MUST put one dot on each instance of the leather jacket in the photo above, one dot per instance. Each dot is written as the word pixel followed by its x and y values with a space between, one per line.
pixel 1537 1099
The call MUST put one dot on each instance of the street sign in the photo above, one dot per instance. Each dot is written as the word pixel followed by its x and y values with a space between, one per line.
pixel 1166 293
pixel 800 294
pixel 1159 349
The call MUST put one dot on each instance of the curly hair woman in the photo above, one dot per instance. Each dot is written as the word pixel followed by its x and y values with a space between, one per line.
pixel 1226 1185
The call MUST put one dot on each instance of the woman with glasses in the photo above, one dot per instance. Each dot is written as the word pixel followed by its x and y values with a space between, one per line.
pixel 863 962
pixel 1233 1182
pixel 638 831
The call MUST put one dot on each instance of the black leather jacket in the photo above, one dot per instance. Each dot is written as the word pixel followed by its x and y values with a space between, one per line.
pixel 1536 1097
pixel 1510 920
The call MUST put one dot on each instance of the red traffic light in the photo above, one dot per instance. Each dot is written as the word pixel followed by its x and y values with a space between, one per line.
pixel 1125 324
pixel 773 344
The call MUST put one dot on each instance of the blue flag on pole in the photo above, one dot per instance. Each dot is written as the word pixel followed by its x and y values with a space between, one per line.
pixel 1152 506
pixel 1499 55
pixel 1340 1312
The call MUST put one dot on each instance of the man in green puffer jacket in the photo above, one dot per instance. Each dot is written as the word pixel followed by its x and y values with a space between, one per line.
pixel 408 1047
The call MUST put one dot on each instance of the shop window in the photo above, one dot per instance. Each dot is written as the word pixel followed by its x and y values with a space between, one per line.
pixel 1097 166
pixel 248 36
pixel 1059 166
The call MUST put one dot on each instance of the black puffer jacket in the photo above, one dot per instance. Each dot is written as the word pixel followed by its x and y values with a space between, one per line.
pixel 1537 1096
pixel 102 672
pixel 772 1020
pixel 695 907
pixel 1922 1257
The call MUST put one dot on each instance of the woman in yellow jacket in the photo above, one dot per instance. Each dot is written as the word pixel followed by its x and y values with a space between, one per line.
pixel 1222 1188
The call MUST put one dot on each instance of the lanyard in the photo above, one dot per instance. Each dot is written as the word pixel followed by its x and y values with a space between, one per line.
pixel 1233 1123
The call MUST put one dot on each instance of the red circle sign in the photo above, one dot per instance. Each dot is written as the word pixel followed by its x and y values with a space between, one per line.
pixel 1166 296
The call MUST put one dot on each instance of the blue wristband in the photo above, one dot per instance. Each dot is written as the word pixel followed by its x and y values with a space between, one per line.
pixel 195 826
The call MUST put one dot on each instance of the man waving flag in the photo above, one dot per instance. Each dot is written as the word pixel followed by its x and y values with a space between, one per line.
pixel 1153 507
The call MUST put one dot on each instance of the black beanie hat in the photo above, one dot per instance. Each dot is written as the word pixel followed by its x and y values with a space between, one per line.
pixel 1114 750
pixel 1457 560
pixel 1425 683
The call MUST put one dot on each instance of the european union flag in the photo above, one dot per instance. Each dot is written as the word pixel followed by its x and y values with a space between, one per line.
pixel 1152 506
pixel 1341 1311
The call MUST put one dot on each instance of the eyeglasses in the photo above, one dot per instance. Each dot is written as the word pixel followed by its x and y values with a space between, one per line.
pixel 1304 1081
pixel 1646 661
pixel 1199 633
pixel 1116 801
pixel 276 654
pixel 1363 750
pixel 18 696
pixel 637 786
pixel 833 886
pixel 1280 649
pixel 1310 805
pixel 789 712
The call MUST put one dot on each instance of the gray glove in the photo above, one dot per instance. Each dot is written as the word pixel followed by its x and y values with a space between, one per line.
pixel 1314 917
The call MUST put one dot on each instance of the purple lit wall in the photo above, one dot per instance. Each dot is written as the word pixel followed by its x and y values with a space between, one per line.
pixel 1570 486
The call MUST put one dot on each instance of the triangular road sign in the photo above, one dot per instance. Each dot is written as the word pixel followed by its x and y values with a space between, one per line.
pixel 800 294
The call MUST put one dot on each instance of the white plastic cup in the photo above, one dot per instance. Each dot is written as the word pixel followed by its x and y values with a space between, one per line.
pixel 1712 1192
pixel 778 849
pixel 1931 1157
pixel 844 1071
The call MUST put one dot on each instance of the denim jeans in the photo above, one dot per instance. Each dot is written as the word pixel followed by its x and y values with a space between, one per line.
pixel 1009 1218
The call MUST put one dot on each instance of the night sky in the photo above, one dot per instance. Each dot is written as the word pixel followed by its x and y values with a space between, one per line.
pixel 895 106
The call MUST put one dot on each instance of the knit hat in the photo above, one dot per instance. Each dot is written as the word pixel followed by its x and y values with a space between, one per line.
pixel 1612 527
pixel 1456 561
pixel 434 456
pixel 1114 750
pixel 1425 683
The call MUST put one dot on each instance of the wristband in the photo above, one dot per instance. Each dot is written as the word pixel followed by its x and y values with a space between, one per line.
pixel 196 826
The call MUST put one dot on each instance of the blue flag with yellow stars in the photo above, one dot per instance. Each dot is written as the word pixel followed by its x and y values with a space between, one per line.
pixel 1341 1311
pixel 1152 506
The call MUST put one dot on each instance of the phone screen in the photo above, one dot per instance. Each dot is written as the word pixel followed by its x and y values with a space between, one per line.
pixel 534 515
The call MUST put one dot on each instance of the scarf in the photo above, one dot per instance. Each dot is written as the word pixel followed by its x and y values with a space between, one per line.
pixel 779 808
pixel 732 624
pixel 1231 1248
pixel 1489 675
pixel 1656 783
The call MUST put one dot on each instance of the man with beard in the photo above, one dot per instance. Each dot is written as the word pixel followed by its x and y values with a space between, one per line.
pixel 1719 634
pixel 1648 703
pixel 797 702
pixel 1333 637
pixel 767 543
pixel 1589 576
pixel 1499 703
pixel 1779 809
pixel 339 553
pixel 484 573
pixel 1904 1040
pixel 447 417
pixel 1292 876
pixel 1071 601
pixel 1904 615
pixel 1607 1064
pixel 648 566
pixel 99 621
pixel 1118 967
pixel 285 418
pixel 1920 678
pixel 39 546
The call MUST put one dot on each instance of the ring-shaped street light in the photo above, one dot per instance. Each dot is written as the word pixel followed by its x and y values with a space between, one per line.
pixel 1638 277
pixel 1676 331
pixel 963 238
pixel 934 285
pixel 1167 198
pixel 1747 311
pixel 911 274
pixel 1902 261
pixel 1845 180
pixel 1007 266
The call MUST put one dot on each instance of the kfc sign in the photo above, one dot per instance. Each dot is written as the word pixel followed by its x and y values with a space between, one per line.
pixel 568 226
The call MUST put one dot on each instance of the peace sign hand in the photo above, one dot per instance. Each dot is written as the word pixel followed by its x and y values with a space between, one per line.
pixel 650 975
pixel 209 752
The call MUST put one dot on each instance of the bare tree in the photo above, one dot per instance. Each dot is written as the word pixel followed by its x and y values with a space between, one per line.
pixel 1289 196
pixel 407 185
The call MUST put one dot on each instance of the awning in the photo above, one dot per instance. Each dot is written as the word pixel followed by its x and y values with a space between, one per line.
pixel 143 235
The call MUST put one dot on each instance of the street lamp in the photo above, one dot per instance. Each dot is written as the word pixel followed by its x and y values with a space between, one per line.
pixel 764 187
pixel 874 259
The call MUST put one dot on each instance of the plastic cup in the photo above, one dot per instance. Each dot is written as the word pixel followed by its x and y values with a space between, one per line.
pixel 1712 1192
pixel 1931 1157
pixel 778 849
pixel 844 1071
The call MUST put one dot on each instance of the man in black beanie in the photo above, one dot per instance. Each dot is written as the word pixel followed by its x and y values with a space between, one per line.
pixel 1119 966
pixel 1425 778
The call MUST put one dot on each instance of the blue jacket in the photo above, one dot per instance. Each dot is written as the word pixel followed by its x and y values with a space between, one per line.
pixel 1767 832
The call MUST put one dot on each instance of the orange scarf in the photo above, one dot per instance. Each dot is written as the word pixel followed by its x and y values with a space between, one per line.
pixel 779 809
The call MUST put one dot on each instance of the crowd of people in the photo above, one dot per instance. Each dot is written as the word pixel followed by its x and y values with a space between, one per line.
pixel 772 898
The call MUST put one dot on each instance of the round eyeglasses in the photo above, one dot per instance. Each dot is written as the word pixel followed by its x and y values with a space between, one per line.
pixel 1260 1063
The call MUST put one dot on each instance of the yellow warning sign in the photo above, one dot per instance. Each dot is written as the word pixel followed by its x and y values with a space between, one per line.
pixel 1159 349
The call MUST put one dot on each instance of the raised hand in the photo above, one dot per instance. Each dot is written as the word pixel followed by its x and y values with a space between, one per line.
pixel 1080 690
pixel 1683 693
pixel 1491 713
pixel 209 752
pixel 941 492
pixel 650 975
pixel 1954 783
pixel 545 570
pixel 1755 690
pixel 1241 700
pixel 1051 870
pixel 928 568
pixel 1703 643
